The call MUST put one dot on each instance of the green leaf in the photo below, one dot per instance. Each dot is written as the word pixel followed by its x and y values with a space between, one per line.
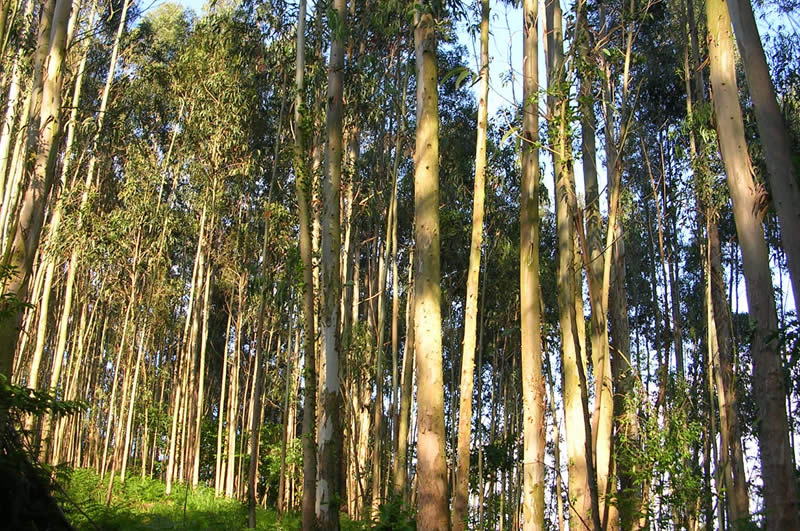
pixel 460 79
pixel 459 72
pixel 508 133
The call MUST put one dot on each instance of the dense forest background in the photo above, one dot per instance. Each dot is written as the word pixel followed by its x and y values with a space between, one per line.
pixel 282 253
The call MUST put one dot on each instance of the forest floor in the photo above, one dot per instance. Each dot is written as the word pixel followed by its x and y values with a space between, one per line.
pixel 142 504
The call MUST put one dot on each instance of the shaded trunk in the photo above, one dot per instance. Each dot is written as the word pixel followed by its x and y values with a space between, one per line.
pixel 222 412
pixel 401 458
pixel 738 500
pixel 303 192
pixel 329 443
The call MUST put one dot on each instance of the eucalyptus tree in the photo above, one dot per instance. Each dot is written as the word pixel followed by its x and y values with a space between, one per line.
pixel 14 111
pixel 432 494
pixel 583 484
pixel 773 134
pixel 302 187
pixel 621 26
pixel 198 182
pixel 29 122
pixel 780 489
pixel 329 435
pixel 530 289
pixel 20 253
pixel 461 487
pixel 711 203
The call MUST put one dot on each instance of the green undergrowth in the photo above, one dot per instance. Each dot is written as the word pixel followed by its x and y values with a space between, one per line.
pixel 142 504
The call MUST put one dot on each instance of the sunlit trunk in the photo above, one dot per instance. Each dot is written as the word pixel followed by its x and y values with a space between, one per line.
pixel 461 494
pixel 433 513
pixel 777 469
pixel 773 134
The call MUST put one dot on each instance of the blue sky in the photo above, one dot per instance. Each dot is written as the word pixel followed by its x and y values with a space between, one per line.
pixel 196 5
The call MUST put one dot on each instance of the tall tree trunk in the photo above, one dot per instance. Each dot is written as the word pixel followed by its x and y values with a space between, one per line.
pixel 117 432
pixel 461 494
pixel 303 191
pixel 201 375
pixel 74 256
pixel 221 412
pixel 255 433
pixel 30 121
pixel 731 459
pixel 82 334
pixel 235 390
pixel 401 458
pixel 110 418
pixel 377 424
pixel 738 499
pixel 395 330
pixel 724 467
pixel 255 427
pixel 129 420
pixel 184 369
pixel 556 444
pixel 41 333
pixel 615 141
pixel 433 513
pixel 632 506
pixel 479 425
pixel 255 422
pixel 12 100
pixel 777 469
pixel 287 433
pixel 329 443
pixel 579 438
pixel 533 391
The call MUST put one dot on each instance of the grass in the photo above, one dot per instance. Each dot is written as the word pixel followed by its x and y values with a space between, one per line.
pixel 142 504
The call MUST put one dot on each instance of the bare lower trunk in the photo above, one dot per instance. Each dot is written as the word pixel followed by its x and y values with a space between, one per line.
pixel 461 494
pixel 129 420
pixel 579 441
pixel 201 375
pixel 726 382
pixel 235 390
pixel 303 191
pixel 401 459
pixel 329 443
pixel 221 412
pixel 433 513
pixel 533 392
pixel 377 424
